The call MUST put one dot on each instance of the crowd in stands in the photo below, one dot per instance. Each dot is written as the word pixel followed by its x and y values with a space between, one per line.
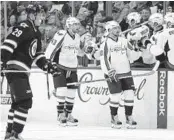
pixel 91 13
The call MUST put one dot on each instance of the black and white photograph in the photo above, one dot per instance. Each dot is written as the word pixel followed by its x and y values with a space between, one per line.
pixel 87 70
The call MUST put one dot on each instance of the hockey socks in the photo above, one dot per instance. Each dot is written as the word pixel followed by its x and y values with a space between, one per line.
pixel 113 108
pixel 128 110
pixel 60 107
pixel 10 120
pixel 69 105
pixel 20 117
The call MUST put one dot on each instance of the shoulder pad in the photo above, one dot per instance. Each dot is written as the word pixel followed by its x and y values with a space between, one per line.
pixel 61 32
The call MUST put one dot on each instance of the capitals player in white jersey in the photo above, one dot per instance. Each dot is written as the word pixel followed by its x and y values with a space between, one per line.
pixel 135 37
pixel 63 50
pixel 115 63
pixel 161 43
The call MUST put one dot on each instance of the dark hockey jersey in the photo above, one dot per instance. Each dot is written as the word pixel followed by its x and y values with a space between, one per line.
pixel 23 47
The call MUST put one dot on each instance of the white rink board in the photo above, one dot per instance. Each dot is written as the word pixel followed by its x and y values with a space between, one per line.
pixel 97 114
pixel 93 113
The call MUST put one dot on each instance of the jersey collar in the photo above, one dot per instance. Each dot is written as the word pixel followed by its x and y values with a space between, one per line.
pixel 72 36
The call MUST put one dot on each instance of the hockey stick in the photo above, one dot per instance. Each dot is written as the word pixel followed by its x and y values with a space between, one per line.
pixel 128 30
pixel 48 86
pixel 123 77
pixel 31 71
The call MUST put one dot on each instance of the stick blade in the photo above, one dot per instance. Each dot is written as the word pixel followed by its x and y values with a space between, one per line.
pixel 156 66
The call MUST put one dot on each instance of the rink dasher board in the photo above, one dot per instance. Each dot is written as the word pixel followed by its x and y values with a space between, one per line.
pixel 153 107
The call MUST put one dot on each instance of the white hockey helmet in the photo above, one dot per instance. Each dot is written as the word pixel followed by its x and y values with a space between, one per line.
pixel 133 17
pixel 111 24
pixel 169 19
pixel 156 20
pixel 71 21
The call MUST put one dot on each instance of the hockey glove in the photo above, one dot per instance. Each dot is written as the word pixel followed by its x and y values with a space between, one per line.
pixel 51 67
pixel 90 47
pixel 112 75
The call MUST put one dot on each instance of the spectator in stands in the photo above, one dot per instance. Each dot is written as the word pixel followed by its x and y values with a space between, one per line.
pixel 169 9
pixel 97 18
pixel 101 30
pixel 171 4
pixel 67 9
pixel 145 14
pixel 120 11
pixel 12 23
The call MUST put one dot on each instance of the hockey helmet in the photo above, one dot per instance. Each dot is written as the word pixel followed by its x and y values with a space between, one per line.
pixel 111 24
pixel 71 21
pixel 133 18
pixel 156 20
pixel 169 19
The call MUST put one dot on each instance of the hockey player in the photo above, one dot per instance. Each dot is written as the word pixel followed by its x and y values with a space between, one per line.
pixel 135 37
pixel 114 63
pixel 169 20
pixel 161 43
pixel 19 50
pixel 63 50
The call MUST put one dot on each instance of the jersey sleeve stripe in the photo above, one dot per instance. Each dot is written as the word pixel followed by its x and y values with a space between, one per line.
pixel 18 63
pixel 12 42
pixel 7 48
pixel 106 60
pixel 38 57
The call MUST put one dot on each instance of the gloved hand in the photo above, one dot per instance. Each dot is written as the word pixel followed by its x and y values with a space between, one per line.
pixel 112 75
pixel 90 47
pixel 51 67
pixel 135 36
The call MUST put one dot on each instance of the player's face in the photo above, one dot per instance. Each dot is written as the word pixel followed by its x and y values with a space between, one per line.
pixel 38 20
pixel 132 23
pixel 145 14
pixel 155 26
pixel 169 24
pixel 75 27
pixel 23 16
pixel 116 31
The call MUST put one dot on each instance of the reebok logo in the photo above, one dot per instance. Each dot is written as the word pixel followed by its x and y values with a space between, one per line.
pixel 162 99
pixel 162 94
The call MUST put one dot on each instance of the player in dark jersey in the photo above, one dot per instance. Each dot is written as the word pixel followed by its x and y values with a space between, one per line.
pixel 19 51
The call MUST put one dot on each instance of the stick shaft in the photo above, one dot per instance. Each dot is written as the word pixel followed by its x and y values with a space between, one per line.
pixel 16 71
pixel 122 77
pixel 48 86
pixel 128 30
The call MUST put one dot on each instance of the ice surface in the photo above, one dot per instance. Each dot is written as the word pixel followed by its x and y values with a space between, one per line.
pixel 51 131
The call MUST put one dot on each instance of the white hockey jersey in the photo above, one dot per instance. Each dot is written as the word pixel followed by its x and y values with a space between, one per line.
pixel 135 36
pixel 113 55
pixel 63 49
pixel 163 42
